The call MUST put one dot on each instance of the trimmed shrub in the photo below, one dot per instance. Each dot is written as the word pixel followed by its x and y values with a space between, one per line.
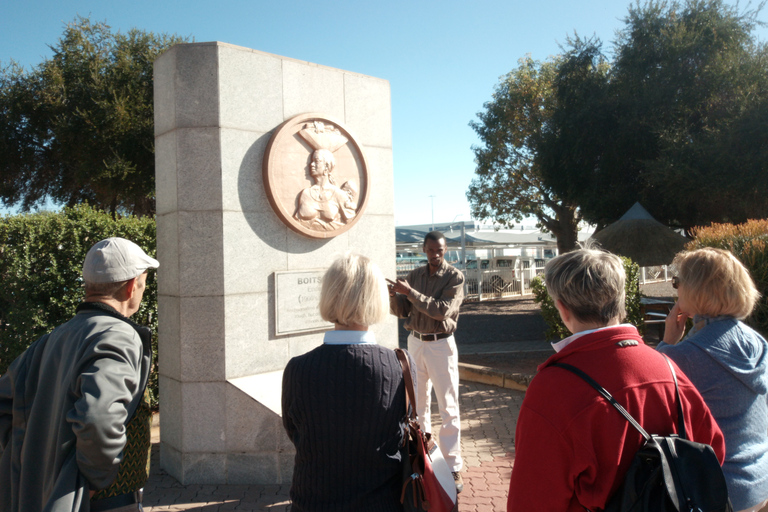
pixel 41 258
pixel 749 243
pixel 556 329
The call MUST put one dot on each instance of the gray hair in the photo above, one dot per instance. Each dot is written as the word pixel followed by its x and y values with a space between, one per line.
pixel 590 283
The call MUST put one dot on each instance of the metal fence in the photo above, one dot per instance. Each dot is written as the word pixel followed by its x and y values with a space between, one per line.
pixel 404 268
pixel 494 283
pixel 657 274
pixel 502 283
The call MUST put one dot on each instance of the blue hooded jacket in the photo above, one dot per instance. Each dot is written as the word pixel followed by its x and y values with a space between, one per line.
pixel 727 361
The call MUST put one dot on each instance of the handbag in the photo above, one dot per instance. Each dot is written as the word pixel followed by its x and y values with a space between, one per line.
pixel 427 480
pixel 668 473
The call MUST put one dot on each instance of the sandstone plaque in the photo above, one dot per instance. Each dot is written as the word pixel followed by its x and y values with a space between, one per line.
pixel 315 176
pixel 297 296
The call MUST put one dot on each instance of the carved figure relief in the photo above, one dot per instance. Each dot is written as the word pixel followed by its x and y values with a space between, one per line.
pixel 325 206
pixel 306 159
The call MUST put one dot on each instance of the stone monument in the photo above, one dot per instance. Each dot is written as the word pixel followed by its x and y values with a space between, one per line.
pixel 267 168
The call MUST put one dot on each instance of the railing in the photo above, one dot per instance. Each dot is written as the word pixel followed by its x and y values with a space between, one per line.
pixel 502 283
pixel 480 285
pixel 499 283
pixel 657 274
pixel 403 269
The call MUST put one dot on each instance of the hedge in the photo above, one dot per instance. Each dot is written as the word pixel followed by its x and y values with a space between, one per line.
pixel 41 257
pixel 556 329
pixel 749 243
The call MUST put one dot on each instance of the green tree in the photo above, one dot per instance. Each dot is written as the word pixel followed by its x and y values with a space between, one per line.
pixel 573 141
pixel 79 126
pixel 508 183
pixel 41 258
pixel 678 124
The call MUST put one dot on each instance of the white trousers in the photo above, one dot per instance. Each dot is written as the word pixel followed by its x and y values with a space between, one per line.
pixel 437 364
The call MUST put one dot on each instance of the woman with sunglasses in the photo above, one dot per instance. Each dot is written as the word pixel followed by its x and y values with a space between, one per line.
pixel 727 361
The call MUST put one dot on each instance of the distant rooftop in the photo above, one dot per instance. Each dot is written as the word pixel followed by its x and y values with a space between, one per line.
pixel 636 212
pixel 479 234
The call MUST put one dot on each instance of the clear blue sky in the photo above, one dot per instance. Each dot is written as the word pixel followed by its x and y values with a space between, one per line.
pixel 442 60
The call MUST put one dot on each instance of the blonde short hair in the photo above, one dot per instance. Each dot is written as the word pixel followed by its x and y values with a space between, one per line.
pixel 354 292
pixel 590 283
pixel 716 283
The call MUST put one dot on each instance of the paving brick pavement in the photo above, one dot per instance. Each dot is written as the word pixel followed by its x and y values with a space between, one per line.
pixel 489 415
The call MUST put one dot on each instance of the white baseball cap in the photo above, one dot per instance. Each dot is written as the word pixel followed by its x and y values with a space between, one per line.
pixel 114 260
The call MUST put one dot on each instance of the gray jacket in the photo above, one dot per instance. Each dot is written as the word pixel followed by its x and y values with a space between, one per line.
pixel 64 405
pixel 728 362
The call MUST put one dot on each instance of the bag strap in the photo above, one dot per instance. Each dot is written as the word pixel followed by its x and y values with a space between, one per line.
pixel 680 417
pixel 410 394
pixel 621 409
pixel 600 389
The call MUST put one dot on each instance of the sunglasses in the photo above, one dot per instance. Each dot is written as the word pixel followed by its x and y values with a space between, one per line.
pixel 675 282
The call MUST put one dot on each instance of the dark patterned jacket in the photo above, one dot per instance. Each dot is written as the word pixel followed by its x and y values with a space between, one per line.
pixel 344 410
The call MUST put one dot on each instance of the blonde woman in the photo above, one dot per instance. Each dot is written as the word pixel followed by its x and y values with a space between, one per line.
pixel 344 402
pixel 727 361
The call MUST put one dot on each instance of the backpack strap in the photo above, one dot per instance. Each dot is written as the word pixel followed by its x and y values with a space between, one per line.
pixel 600 389
pixel 680 417
pixel 621 409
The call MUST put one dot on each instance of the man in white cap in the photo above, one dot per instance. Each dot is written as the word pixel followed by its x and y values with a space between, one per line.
pixel 74 416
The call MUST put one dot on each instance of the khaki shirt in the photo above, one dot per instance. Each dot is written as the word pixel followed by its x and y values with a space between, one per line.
pixel 432 306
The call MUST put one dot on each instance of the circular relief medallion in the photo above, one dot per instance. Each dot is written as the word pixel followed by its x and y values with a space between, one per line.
pixel 315 176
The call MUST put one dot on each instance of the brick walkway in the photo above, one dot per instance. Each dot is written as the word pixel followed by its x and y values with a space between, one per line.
pixel 489 415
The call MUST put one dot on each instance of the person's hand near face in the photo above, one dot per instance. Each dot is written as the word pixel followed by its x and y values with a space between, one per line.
pixel 674 325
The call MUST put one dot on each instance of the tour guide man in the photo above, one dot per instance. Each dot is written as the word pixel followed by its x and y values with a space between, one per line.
pixel 74 415
pixel 429 297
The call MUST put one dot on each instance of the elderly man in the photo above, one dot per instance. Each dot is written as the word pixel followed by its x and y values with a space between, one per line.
pixel 430 297
pixel 75 397
pixel 572 448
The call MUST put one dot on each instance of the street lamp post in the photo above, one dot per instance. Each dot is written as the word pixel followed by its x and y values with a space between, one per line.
pixel 432 199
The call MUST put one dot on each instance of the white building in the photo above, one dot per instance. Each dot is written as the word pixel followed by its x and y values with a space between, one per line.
pixel 496 262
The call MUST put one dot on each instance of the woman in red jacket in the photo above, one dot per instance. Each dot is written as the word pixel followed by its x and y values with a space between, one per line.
pixel 572 448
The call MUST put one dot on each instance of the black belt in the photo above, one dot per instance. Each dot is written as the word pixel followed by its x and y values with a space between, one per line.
pixel 431 337
pixel 118 501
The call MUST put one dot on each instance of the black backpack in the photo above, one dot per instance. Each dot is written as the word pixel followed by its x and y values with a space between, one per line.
pixel 668 473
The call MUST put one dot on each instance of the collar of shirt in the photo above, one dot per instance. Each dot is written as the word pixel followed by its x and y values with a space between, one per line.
pixel 349 338
pixel 701 321
pixel 440 270
pixel 560 345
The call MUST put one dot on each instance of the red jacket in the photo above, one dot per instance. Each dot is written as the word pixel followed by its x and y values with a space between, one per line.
pixel 572 448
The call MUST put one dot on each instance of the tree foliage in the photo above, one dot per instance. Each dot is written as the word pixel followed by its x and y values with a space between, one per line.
pixel 41 258
pixel 573 144
pixel 680 123
pixel 79 126
pixel 508 183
